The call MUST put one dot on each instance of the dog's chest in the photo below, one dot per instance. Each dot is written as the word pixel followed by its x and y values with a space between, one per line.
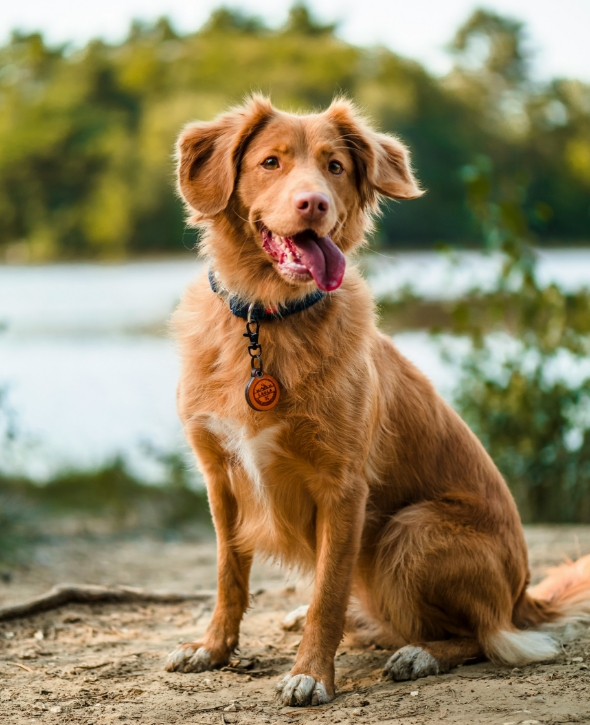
pixel 253 452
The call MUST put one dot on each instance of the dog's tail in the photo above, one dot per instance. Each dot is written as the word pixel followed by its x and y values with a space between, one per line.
pixel 559 602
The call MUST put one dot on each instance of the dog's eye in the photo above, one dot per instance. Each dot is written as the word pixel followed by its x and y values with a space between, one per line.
pixel 335 167
pixel 271 163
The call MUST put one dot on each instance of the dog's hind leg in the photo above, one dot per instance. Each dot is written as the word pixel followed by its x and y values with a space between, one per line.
pixel 221 638
pixel 431 658
pixel 447 580
pixel 295 620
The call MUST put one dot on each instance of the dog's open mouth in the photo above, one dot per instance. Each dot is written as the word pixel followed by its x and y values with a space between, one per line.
pixel 305 255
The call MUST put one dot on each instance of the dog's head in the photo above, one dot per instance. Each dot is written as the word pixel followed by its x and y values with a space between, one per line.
pixel 286 196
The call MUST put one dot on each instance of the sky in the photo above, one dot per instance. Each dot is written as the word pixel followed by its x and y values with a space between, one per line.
pixel 558 31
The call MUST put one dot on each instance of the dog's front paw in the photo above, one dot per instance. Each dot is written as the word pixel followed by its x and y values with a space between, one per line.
pixel 188 657
pixel 302 690
pixel 409 663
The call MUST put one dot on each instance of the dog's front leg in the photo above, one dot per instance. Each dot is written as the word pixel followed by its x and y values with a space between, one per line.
pixel 233 571
pixel 338 532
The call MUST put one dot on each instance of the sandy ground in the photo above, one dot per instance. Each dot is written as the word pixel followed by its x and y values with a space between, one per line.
pixel 104 664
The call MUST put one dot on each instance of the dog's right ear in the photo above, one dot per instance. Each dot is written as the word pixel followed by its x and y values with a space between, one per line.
pixel 209 154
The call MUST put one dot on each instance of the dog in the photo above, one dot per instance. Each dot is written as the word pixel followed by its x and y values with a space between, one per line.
pixel 345 461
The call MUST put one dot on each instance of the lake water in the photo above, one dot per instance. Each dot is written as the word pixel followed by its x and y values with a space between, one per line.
pixel 90 372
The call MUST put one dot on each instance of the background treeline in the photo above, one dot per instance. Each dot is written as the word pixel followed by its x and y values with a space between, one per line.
pixel 86 135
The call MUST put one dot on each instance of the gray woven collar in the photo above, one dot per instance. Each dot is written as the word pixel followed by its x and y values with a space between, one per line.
pixel 259 312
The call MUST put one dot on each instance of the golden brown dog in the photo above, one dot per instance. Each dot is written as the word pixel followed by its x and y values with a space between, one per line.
pixel 361 472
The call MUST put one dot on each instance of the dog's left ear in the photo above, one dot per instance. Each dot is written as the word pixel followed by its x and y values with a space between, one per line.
pixel 209 153
pixel 382 161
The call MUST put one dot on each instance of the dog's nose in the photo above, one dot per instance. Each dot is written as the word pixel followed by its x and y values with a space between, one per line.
pixel 312 205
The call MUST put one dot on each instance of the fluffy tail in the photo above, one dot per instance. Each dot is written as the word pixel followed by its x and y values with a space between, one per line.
pixel 561 600
pixel 565 592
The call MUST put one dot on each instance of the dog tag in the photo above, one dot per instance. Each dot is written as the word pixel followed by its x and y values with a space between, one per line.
pixel 262 393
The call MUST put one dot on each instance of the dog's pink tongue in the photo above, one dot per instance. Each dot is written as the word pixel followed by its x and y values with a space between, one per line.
pixel 323 259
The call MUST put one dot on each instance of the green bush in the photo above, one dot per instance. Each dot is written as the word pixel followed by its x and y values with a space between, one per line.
pixel 531 411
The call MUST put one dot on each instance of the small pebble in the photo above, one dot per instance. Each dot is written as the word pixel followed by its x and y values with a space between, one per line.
pixel 230 708
pixel 414 693
pixel 577 659
pixel 55 709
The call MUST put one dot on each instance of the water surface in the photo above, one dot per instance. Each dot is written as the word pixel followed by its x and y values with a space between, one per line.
pixel 91 371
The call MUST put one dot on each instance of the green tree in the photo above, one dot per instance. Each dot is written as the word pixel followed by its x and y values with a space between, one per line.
pixel 86 136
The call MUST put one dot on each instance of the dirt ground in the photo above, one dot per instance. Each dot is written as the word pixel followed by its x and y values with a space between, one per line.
pixel 104 664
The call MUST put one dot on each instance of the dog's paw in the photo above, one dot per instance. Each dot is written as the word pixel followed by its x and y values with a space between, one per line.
pixel 188 658
pixel 409 663
pixel 301 690
pixel 295 620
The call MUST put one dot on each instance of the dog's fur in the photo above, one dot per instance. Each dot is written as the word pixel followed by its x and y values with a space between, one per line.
pixel 361 472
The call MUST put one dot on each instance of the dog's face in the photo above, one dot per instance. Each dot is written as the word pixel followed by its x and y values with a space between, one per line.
pixel 297 182
pixel 291 193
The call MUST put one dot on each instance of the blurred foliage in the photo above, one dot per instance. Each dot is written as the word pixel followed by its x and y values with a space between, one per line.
pixel 112 492
pixel 86 135
pixel 108 500
pixel 11 533
pixel 527 395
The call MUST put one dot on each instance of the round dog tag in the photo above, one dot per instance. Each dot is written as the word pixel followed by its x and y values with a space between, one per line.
pixel 262 393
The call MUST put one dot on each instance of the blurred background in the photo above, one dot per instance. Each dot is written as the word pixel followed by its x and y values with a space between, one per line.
pixel 482 282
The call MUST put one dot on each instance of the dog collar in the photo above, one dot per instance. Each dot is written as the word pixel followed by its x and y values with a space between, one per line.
pixel 257 311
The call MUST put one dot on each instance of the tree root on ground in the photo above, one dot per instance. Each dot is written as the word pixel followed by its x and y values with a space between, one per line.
pixel 62 594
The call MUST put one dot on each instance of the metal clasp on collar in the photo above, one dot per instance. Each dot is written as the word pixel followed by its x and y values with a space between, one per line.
pixel 254 348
